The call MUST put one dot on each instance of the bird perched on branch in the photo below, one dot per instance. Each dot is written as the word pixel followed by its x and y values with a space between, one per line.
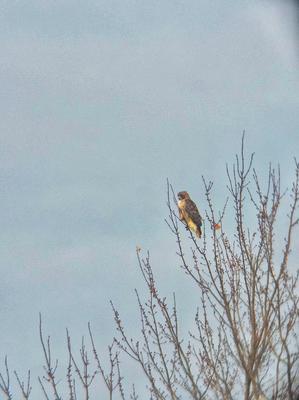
pixel 189 213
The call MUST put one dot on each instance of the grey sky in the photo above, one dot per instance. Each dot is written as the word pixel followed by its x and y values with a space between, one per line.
pixel 101 101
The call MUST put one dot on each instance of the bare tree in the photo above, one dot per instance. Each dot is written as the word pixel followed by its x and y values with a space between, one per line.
pixel 244 342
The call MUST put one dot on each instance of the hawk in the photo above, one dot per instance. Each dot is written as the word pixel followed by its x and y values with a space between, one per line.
pixel 189 213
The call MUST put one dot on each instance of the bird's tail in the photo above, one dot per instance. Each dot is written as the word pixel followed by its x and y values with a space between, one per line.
pixel 198 232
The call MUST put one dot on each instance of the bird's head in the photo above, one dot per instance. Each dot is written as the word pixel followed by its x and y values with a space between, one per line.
pixel 183 195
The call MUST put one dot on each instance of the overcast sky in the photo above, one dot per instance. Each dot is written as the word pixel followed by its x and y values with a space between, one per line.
pixel 100 102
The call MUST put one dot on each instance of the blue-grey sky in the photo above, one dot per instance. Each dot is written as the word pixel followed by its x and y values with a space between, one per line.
pixel 101 101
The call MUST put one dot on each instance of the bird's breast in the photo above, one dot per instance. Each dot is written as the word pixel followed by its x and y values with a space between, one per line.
pixel 181 204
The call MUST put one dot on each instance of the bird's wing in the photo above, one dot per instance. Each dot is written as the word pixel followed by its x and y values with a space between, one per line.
pixel 192 211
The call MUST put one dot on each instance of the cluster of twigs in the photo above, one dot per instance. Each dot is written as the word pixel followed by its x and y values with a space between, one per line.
pixel 78 373
pixel 5 384
pixel 244 344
